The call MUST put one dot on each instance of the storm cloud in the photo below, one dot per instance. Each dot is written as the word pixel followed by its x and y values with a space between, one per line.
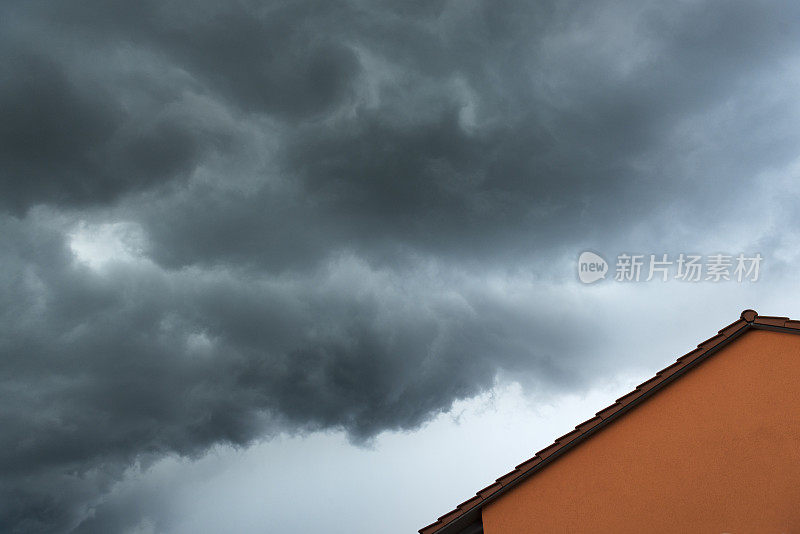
pixel 225 220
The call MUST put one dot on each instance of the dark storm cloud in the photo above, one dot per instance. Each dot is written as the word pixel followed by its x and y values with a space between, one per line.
pixel 331 208
pixel 438 158
pixel 67 144
pixel 135 363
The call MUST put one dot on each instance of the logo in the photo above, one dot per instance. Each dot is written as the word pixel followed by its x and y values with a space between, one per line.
pixel 591 267
pixel 686 267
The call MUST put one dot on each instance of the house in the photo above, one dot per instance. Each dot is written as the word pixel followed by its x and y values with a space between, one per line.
pixel 709 444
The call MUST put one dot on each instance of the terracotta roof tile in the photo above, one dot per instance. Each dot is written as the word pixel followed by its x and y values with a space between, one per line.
pixel 488 490
pixel 608 411
pixel 691 355
pixel 710 342
pixel 569 436
pixel 509 477
pixel 527 464
pixel 749 315
pixel 449 516
pixel 770 321
pixel 748 319
pixel 470 503
pixel 694 355
pixel 733 327
pixel 647 385
pixel 589 423
pixel 630 397
pixel 549 450
pixel 669 370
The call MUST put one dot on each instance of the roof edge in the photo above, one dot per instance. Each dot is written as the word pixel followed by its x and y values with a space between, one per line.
pixel 468 512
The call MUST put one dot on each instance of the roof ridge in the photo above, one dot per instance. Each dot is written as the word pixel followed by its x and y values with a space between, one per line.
pixel 748 319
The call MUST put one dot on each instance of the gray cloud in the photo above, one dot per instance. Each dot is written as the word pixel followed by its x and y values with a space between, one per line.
pixel 222 220
pixel 130 361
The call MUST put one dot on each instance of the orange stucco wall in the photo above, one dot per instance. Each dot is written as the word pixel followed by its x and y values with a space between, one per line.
pixel 716 451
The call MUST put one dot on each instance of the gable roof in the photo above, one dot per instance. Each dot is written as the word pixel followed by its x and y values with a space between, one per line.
pixel 469 511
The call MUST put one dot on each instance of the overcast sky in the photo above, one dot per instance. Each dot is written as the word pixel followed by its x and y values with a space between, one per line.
pixel 312 265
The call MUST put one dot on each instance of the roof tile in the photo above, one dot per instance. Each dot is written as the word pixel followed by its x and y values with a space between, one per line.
pixel 770 321
pixel 548 451
pixel 669 370
pixel 530 462
pixel 710 342
pixel 630 397
pixel 691 355
pixel 569 436
pixel 608 411
pixel 470 503
pixel 733 327
pixel 748 315
pixel 647 385
pixel 509 477
pixel 488 490
pixel 589 423
pixel 449 516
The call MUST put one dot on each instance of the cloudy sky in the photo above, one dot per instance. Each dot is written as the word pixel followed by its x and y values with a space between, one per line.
pixel 300 266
